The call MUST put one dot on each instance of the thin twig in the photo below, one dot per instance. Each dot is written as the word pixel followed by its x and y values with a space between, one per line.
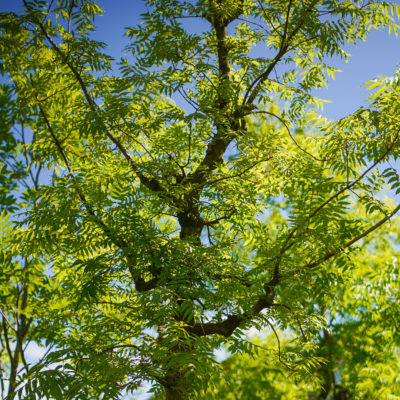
pixel 279 346
pixel 350 242
pixel 283 122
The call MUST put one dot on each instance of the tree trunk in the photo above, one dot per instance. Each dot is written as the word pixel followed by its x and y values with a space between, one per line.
pixel 177 387
pixel 175 393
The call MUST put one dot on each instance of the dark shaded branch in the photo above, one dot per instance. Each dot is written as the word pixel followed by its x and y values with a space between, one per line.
pixel 119 346
pixel 216 220
pixel 6 339
pixel 226 327
pixel 222 53
pixel 22 326
pixel 213 156
pixel 142 285
pixel 240 279
pixel 223 137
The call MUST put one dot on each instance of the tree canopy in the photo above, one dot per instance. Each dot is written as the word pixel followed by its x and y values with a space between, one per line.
pixel 158 207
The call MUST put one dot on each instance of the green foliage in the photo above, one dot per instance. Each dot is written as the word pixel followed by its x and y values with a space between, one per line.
pixel 258 376
pixel 10 169
pixel 167 232
pixel 357 350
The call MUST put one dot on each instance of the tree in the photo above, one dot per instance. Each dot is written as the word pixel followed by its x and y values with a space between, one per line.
pixel 8 144
pixel 24 287
pixel 168 231
pixel 25 290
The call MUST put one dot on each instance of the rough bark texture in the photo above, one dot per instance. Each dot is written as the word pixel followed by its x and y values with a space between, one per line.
pixel 177 385
pixel 175 394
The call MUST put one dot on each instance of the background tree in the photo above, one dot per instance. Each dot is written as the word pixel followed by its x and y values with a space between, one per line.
pixel 24 293
pixel 11 169
pixel 24 287
pixel 169 230
pixel 359 344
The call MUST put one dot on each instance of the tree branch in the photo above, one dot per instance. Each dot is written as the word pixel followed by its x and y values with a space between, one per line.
pixel 285 125
pixel 279 346
pixel 223 137
pixel 151 183
pixel 349 186
pixel 254 88
pixel 333 253
pixel 141 285
pixel 226 327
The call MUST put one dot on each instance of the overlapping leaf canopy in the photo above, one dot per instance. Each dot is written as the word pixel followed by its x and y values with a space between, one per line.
pixel 193 190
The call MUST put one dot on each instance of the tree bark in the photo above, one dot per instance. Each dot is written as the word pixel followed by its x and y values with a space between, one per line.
pixel 175 394
pixel 177 388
